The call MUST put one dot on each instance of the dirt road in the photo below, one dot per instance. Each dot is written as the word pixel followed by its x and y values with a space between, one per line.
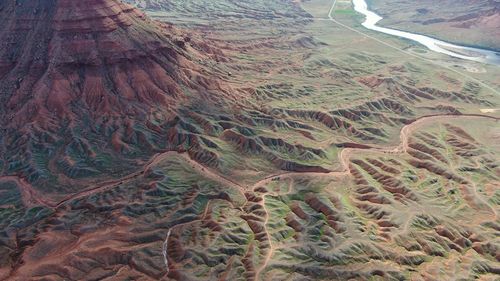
pixel 32 197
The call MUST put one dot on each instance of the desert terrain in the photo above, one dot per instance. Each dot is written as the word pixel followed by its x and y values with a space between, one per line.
pixel 233 140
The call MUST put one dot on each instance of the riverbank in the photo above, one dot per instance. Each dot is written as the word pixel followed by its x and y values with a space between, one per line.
pixel 472 24
pixel 457 51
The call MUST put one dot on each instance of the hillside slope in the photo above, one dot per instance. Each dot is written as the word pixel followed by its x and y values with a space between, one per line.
pixel 88 88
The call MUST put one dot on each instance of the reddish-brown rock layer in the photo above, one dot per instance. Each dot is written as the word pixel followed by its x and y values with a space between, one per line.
pixel 63 59
pixel 100 77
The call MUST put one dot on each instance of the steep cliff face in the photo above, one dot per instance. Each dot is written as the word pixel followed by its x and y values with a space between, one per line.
pixel 99 57
pixel 80 77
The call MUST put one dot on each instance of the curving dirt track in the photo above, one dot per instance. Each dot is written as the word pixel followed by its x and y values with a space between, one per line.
pixel 404 136
pixel 32 197
pixel 345 154
pixel 344 158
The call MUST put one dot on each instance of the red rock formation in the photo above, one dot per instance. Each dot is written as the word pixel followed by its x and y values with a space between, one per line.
pixel 100 73
pixel 63 59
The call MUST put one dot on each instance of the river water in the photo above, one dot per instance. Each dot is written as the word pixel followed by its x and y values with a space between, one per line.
pixel 457 51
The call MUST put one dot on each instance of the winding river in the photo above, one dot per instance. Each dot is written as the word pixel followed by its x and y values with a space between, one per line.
pixel 457 51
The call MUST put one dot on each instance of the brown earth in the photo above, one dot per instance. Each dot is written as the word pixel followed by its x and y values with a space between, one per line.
pixel 101 70
pixel 215 185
